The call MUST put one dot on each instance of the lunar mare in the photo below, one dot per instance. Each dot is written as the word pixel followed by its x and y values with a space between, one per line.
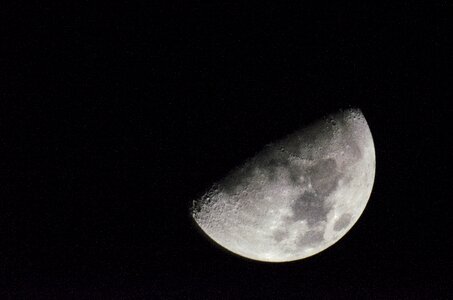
pixel 296 197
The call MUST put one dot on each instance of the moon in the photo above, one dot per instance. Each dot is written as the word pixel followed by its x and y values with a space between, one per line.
pixel 296 197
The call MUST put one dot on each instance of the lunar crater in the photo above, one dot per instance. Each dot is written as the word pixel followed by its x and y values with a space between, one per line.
pixel 342 222
pixel 311 238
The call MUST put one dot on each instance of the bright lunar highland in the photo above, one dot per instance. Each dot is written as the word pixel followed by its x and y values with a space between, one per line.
pixel 296 197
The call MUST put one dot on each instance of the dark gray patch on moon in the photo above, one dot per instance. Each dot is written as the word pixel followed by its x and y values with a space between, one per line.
pixel 311 205
pixel 324 177
pixel 342 222
pixel 279 235
pixel 354 149
pixel 311 238
pixel 271 165
pixel 310 208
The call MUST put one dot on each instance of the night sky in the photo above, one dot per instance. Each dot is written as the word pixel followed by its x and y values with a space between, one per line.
pixel 114 117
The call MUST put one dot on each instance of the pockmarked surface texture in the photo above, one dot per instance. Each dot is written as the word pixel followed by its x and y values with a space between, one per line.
pixel 296 197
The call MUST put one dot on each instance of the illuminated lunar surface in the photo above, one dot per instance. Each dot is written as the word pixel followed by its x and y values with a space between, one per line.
pixel 298 196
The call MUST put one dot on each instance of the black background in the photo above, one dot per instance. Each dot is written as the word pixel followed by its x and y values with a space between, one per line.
pixel 115 116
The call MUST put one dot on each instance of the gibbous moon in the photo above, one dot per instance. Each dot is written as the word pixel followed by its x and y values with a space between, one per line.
pixel 296 197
